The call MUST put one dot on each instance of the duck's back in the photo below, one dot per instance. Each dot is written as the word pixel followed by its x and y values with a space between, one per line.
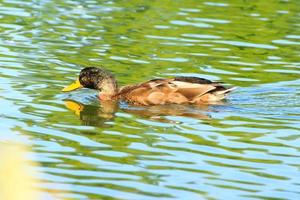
pixel 178 90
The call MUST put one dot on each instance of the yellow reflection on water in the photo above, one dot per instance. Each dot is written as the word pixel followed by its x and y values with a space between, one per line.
pixel 18 179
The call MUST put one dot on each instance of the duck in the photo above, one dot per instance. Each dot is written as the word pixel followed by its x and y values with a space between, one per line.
pixel 159 91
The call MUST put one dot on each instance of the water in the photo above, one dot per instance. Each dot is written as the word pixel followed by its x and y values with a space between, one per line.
pixel 247 148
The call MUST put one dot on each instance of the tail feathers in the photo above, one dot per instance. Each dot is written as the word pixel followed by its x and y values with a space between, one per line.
pixel 223 92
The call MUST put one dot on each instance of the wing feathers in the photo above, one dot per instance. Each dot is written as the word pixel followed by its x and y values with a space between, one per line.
pixel 178 90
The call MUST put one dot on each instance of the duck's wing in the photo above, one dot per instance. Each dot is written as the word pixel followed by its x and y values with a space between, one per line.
pixel 191 87
pixel 145 93
pixel 176 90
pixel 148 85
pixel 191 79
pixel 200 90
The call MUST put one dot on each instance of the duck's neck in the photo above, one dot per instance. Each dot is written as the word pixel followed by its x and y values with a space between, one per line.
pixel 109 89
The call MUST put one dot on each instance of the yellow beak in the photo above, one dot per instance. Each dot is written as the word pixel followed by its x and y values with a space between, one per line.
pixel 73 86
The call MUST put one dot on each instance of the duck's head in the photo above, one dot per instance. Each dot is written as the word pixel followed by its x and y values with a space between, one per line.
pixel 95 78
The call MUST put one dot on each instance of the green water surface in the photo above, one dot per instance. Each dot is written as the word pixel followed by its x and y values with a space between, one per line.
pixel 248 148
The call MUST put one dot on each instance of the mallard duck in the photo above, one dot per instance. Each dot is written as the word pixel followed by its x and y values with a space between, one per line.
pixel 177 90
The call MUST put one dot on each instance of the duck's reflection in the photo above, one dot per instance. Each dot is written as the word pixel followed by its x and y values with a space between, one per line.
pixel 105 111
pixel 93 115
